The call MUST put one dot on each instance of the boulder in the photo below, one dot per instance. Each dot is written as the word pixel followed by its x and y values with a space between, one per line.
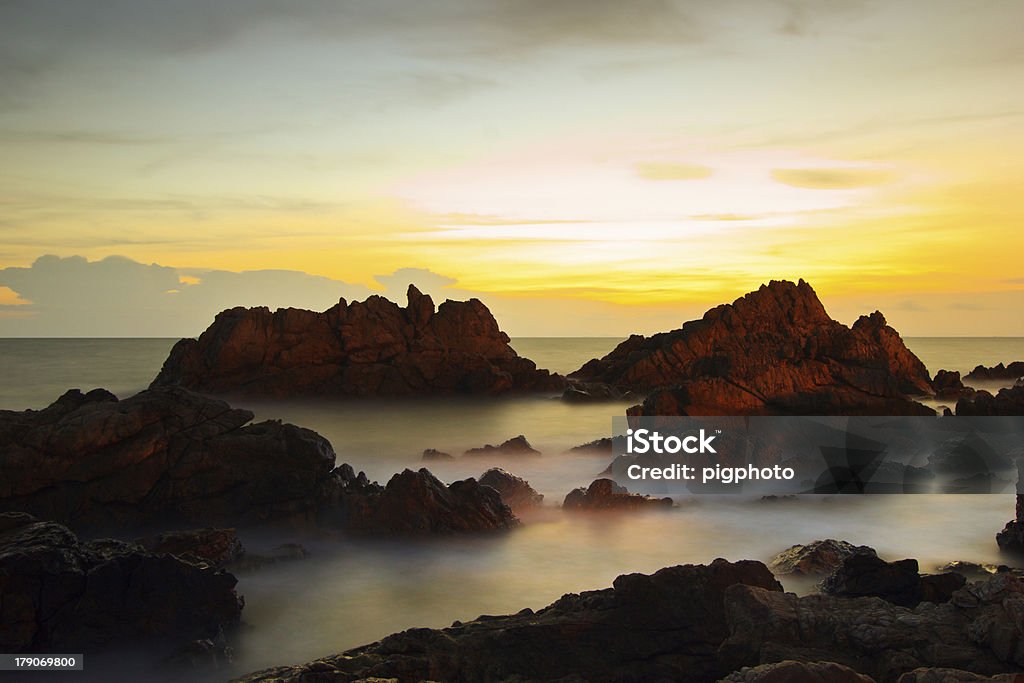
pixel 215 547
pixel 816 558
pixel 999 372
pixel 863 574
pixel 797 672
pixel 517 446
pixel 515 491
pixel 664 626
pixel 606 494
pixel 773 351
pixel 369 348
pixel 62 594
pixel 948 385
pixel 1009 401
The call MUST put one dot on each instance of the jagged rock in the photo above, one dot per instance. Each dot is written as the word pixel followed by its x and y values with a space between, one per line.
pixel 369 348
pixel 418 503
pixel 660 627
pixel 602 446
pixel 517 445
pixel 167 456
pixel 515 491
pixel 60 594
pixel 1009 401
pixel 1013 371
pixel 947 384
pixel 956 676
pixel 433 455
pixel 864 574
pixel 605 494
pixel 978 630
pixel 797 672
pixel 816 558
pixel 215 547
pixel 773 351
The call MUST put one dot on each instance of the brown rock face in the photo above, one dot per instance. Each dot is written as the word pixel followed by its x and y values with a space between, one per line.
pixel 60 594
pixel 660 627
pixel 816 558
pixel 369 348
pixel 773 351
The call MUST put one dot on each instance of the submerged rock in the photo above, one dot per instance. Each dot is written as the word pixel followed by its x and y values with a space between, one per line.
pixel 369 348
pixel 517 445
pixel 773 351
pixel 606 494
pixel 61 594
pixel 816 558
pixel 515 491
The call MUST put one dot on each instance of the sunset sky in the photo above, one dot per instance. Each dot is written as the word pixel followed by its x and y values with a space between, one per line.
pixel 587 167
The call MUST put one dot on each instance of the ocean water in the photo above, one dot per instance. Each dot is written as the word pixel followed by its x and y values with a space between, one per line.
pixel 348 593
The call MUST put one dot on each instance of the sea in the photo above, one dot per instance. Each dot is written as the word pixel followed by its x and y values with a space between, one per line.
pixel 348 593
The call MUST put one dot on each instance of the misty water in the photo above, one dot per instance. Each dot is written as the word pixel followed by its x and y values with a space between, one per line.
pixel 349 593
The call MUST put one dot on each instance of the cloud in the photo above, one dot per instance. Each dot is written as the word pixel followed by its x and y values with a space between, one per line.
pixel 831 178
pixel 655 170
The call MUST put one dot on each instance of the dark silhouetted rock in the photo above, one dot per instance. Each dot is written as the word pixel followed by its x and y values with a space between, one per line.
pixel 797 672
pixel 948 385
pixel 605 494
pixel 215 547
pixel 1009 401
pixel 369 348
pixel 816 558
pixel 773 351
pixel 433 455
pixel 665 626
pixel 865 574
pixel 1011 538
pixel 517 445
pixel 60 594
pixel 515 491
pixel 1000 372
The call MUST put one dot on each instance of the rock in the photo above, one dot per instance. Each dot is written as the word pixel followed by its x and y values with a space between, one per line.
pixel 816 558
pixel 61 594
pixel 602 446
pixel 215 547
pixel 1013 371
pixel 415 503
pixel 974 571
pixel 665 626
pixel 947 384
pixel 517 445
pixel 977 631
pixel 797 672
pixel 432 454
pixel 515 491
pixel 773 351
pixel 925 675
pixel 605 494
pixel 899 582
pixel 166 456
pixel 370 348
pixel 1009 401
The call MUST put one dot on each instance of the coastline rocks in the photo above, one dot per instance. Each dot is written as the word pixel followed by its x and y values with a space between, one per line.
pixel 369 348
pixel 773 351
pixel 947 384
pixel 900 582
pixel 60 594
pixel 956 676
pixel 416 503
pixel 515 491
pixel 215 547
pixel 658 627
pixel 1009 401
pixel 816 558
pixel 165 456
pixel 797 672
pixel 1011 538
pixel 605 494
pixel 602 446
pixel 1014 370
pixel 517 445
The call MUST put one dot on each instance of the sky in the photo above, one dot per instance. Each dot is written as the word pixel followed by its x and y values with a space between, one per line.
pixel 585 167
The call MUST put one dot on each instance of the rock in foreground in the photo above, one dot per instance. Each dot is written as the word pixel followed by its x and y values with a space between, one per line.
pixel 369 348
pixel 660 627
pixel 60 594
pixel 817 558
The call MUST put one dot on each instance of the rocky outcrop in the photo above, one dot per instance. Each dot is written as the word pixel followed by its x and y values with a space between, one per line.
pixel 900 582
pixel 925 675
pixel 517 446
pixel 434 455
pixel 977 631
pixel 773 351
pixel 61 594
pixel 948 385
pixel 415 503
pixel 369 348
pixel 165 456
pixel 797 672
pixel 515 491
pixel 602 446
pixel 665 626
pixel 1011 538
pixel 606 494
pixel 817 558
pixel 1009 401
pixel 999 372
pixel 215 547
